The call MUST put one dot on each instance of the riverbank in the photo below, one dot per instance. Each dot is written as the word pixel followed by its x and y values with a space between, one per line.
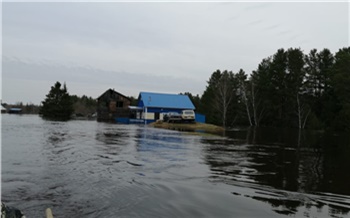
pixel 189 127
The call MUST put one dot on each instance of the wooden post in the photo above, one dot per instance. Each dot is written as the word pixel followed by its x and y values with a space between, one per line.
pixel 145 116
pixel 49 213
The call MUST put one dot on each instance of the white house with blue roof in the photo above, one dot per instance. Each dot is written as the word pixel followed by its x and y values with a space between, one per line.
pixel 154 105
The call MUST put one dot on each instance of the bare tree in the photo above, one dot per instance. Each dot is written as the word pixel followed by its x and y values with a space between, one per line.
pixel 242 77
pixel 302 112
pixel 253 94
pixel 256 102
pixel 224 95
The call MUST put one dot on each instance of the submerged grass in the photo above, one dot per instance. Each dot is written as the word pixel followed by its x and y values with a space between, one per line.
pixel 189 127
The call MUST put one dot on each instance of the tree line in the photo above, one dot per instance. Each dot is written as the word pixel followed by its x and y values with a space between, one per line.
pixel 28 108
pixel 288 89
pixel 60 105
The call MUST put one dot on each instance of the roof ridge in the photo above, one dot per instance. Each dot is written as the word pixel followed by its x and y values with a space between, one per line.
pixel 158 93
pixel 166 100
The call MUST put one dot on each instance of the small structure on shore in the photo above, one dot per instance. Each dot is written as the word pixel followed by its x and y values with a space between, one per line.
pixel 112 105
pixel 155 105
pixel 3 109
pixel 189 127
pixel 14 110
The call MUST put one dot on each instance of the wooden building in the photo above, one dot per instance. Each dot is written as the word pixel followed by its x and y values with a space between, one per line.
pixel 3 109
pixel 112 105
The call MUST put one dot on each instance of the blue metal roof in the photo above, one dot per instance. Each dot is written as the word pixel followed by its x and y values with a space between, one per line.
pixel 162 100
pixel 15 109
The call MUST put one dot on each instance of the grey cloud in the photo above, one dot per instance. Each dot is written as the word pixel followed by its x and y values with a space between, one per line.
pixel 284 32
pixel 110 23
pixel 39 72
pixel 272 27
pixel 258 6
pixel 235 17
pixel 253 23
pixel 97 45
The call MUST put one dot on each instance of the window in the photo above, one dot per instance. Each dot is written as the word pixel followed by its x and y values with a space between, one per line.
pixel 119 104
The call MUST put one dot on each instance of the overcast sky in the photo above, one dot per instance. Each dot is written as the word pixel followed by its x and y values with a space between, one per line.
pixel 157 47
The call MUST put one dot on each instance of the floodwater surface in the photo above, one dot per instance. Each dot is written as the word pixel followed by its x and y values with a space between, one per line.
pixel 91 169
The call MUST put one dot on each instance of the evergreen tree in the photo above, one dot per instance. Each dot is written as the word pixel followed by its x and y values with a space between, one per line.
pixel 84 105
pixel 340 80
pixel 208 99
pixel 261 86
pixel 244 94
pixel 320 91
pixel 288 89
pixel 219 98
pixel 58 104
pixel 297 108
pixel 279 95
pixel 195 99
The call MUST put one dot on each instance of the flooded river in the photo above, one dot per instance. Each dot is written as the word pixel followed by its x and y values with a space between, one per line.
pixel 91 169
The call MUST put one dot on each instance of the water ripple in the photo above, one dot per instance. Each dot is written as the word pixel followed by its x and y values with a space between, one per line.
pixel 90 169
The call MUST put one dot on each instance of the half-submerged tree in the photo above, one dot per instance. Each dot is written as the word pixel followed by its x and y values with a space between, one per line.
pixel 288 89
pixel 340 81
pixel 243 92
pixel 218 97
pixel 58 104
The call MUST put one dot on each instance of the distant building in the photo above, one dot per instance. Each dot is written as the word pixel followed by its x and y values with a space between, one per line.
pixel 154 105
pixel 112 105
pixel 3 109
pixel 14 110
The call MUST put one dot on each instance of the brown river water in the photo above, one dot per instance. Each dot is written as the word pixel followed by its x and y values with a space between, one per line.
pixel 91 169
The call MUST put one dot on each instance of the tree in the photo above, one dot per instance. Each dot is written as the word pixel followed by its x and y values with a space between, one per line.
pixel 58 104
pixel 288 89
pixel 208 99
pixel 195 99
pixel 224 95
pixel 280 94
pixel 340 80
pixel 84 105
pixel 277 90
pixel 260 87
pixel 318 82
pixel 218 99
pixel 296 86
pixel 241 78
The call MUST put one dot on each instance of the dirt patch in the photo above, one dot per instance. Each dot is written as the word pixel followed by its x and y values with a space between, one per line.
pixel 189 127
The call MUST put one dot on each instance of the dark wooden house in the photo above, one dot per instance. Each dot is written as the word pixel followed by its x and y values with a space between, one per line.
pixel 112 105
pixel 3 109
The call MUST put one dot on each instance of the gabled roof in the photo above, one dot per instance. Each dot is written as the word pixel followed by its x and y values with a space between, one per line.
pixel 112 91
pixel 162 100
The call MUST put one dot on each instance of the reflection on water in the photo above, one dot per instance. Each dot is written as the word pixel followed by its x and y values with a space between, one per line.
pixel 293 171
pixel 90 169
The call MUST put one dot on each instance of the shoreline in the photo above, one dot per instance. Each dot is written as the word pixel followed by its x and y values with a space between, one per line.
pixel 189 127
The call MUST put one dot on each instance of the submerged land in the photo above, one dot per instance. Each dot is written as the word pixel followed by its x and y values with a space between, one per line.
pixel 189 127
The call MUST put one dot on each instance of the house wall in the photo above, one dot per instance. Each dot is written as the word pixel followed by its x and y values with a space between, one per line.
pixel 170 103
pixel 164 110
pixel 111 105
pixel 200 118
pixel 149 116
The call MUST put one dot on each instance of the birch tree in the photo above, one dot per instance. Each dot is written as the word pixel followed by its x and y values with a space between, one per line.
pixel 243 92
pixel 224 95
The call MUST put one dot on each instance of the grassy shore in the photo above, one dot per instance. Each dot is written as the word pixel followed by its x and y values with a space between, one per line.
pixel 190 127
